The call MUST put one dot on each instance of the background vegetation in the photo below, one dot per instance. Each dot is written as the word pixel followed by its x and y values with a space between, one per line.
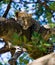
pixel 42 11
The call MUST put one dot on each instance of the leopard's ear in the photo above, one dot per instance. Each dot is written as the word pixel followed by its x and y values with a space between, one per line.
pixel 29 15
pixel 21 14
pixel 17 13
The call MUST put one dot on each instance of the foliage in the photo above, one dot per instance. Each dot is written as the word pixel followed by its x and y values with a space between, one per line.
pixel 39 9
pixel 48 15
pixel 47 10
pixel 6 1
pixel 52 5
pixel 52 25
pixel 37 45
pixel 53 38
pixel 14 39
pixel 17 40
pixel 23 60
pixel 0 63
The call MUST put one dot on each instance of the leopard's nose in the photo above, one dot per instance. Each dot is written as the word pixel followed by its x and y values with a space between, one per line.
pixel 26 22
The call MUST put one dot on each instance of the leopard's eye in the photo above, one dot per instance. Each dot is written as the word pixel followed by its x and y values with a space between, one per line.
pixel 23 18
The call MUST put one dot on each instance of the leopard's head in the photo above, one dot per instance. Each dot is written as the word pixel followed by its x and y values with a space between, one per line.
pixel 24 19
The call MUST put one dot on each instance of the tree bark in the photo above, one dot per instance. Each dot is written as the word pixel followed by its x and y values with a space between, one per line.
pixel 7 10
pixel 45 60
pixel 3 50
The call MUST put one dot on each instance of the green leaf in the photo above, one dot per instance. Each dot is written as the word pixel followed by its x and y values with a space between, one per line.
pixel 47 45
pixel 52 25
pixel 24 39
pixel 14 39
pixel 6 1
pixel 48 16
pixel 52 6
pixel 0 63
pixel 53 38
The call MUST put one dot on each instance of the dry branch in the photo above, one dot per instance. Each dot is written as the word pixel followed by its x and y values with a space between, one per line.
pixel 45 60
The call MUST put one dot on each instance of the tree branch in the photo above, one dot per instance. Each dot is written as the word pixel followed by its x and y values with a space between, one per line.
pixel 3 50
pixel 7 10
pixel 1 0
pixel 45 5
pixel 12 61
